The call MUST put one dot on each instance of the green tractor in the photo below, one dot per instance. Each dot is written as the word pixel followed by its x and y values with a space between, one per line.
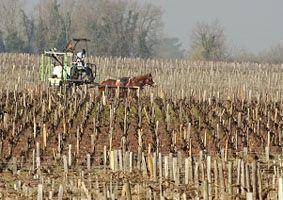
pixel 68 67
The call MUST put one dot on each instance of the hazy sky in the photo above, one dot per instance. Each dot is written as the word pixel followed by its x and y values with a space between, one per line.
pixel 252 24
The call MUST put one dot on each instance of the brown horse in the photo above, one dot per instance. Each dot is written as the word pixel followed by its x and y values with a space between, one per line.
pixel 138 81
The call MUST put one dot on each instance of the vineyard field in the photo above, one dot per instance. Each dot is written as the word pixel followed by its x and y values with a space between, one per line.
pixel 208 131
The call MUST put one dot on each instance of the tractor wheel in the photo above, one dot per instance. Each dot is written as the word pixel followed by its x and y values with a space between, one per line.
pixel 87 75
pixel 74 73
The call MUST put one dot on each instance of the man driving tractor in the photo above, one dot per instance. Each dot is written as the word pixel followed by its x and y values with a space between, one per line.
pixel 82 67
pixel 80 59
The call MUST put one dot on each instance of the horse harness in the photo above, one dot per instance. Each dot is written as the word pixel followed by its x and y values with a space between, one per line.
pixel 125 81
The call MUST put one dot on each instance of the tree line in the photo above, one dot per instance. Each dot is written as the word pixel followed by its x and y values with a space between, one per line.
pixel 117 28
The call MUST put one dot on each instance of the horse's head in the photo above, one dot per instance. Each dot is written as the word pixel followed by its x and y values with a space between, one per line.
pixel 141 81
pixel 149 80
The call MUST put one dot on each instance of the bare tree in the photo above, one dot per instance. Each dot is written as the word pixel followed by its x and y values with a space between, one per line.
pixel 208 42
pixel 125 28
pixel 10 20
pixel 2 45
pixel 170 48
pixel 82 14
pixel 51 24
pixel 150 26
pixel 16 26
pixel 272 55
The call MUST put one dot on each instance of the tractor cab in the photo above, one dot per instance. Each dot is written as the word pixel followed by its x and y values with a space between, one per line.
pixel 68 67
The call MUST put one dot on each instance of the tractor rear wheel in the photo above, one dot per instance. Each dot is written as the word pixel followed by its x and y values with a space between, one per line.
pixel 74 73
pixel 87 74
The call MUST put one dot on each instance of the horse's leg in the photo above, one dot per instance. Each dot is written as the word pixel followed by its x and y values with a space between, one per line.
pixel 124 93
pixel 136 94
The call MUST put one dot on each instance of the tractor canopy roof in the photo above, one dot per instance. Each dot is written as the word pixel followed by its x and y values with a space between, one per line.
pixel 81 39
pixel 52 53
